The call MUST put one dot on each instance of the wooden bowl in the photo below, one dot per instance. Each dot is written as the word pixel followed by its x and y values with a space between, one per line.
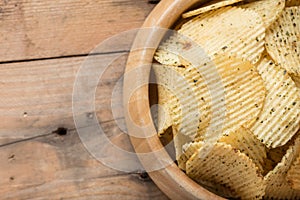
pixel 170 179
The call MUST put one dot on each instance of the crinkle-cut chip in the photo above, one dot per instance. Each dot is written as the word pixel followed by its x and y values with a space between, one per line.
pixel 163 118
pixel 283 40
pixel 188 111
pixel 280 117
pixel 245 141
pixel 181 104
pixel 229 29
pixel 227 166
pixel 276 180
pixel 211 6
pixel 269 10
pixel 244 95
pixel 188 150
pixel 293 175
pixel 290 3
pixel 167 58
pixel 164 115
pixel 179 141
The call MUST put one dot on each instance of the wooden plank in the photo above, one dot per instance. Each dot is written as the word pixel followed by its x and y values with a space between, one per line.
pixel 36 97
pixel 45 28
pixel 59 167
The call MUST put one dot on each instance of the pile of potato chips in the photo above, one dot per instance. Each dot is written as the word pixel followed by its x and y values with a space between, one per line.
pixel 235 111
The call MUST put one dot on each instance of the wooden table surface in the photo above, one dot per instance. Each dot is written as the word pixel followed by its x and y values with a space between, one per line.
pixel 43 44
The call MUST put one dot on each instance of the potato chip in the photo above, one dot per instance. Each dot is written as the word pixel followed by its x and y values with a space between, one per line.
pixel 188 150
pixel 269 10
pixel 293 175
pixel 290 3
pixel 167 58
pixel 279 119
pixel 177 95
pixel 226 166
pixel 277 185
pixel 164 118
pixel 245 141
pixel 188 92
pixel 233 30
pixel 244 94
pixel 283 40
pixel 211 6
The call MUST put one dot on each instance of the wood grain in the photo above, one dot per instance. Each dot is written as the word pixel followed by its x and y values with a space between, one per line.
pixel 31 29
pixel 59 167
pixel 36 99
pixel 36 96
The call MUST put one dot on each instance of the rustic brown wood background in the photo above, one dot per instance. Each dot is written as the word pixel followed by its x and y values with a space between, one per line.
pixel 42 45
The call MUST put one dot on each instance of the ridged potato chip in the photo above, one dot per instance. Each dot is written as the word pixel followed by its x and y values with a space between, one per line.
pixel 188 150
pixel 176 94
pixel 244 94
pixel 280 117
pixel 283 40
pixel 235 113
pixel 188 91
pixel 233 30
pixel 269 10
pixel 245 141
pixel 276 180
pixel 293 175
pixel 164 118
pixel 211 6
pixel 227 166
pixel 242 33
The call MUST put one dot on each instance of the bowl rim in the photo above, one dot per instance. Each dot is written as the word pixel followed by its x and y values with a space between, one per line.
pixel 171 180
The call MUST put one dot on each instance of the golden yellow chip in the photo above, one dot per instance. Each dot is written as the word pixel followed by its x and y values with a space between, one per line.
pixel 244 95
pixel 188 150
pixel 282 40
pixel 164 117
pixel 212 6
pixel 293 175
pixel 245 141
pixel 185 105
pixel 269 10
pixel 226 166
pixel 177 95
pixel 229 29
pixel 280 117
pixel 290 3
pixel 277 185
pixel 172 50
